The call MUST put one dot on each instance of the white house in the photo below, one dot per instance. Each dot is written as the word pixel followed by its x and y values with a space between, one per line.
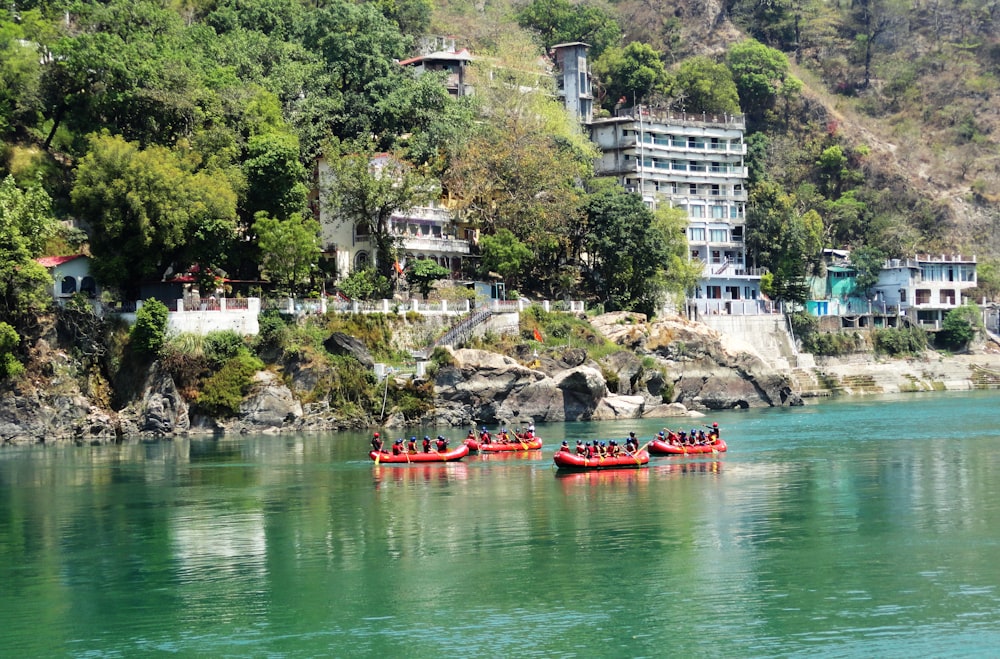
pixel 71 275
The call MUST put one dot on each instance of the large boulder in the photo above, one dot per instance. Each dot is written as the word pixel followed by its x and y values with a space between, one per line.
pixel 270 405
pixel 339 343
pixel 160 409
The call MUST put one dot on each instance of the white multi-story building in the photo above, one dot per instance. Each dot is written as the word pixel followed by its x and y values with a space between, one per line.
pixel 694 162
pixel 925 288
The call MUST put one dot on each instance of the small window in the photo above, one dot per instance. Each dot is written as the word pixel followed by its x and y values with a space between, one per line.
pixel 68 285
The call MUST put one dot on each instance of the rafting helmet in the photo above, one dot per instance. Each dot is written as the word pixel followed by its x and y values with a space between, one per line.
pixel 661 434
pixel 715 424
pixel 399 441
pixel 376 434
pixel 564 443
pixel 413 438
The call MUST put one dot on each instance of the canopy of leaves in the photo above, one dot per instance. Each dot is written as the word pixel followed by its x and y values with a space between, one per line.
pixel 633 74
pixel 505 255
pixel 706 86
pixel 762 76
pixel 422 273
pixel 626 252
pixel 151 208
pixel 559 21
pixel 25 222
pixel 289 250
pixel 150 330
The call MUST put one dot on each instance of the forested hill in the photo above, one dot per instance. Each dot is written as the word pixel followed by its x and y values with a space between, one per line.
pixel 182 132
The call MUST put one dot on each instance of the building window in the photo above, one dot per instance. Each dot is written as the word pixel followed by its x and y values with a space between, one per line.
pixel 361 260
pixel 733 292
pixel 718 212
pixel 696 254
pixel 923 296
pixel 718 235
pixel 947 296
pixel 88 287
pixel 697 211
pixel 68 285
pixel 697 234
pixel 713 292
pixel 902 295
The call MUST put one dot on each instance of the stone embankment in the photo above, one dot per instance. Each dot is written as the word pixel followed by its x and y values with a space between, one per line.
pixel 670 367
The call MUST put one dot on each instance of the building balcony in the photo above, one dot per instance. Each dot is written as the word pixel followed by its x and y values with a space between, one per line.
pixel 434 244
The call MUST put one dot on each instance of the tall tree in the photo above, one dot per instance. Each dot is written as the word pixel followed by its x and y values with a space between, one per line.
pixel 627 252
pixel 365 189
pixel 559 21
pixel 289 248
pixel 707 86
pixel 762 75
pixel 24 284
pixel 634 73
pixel 150 209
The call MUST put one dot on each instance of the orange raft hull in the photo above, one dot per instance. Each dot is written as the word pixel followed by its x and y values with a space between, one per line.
pixel 572 461
pixel 658 447
pixel 456 453
pixel 514 445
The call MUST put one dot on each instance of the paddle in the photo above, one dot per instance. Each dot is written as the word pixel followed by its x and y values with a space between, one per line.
pixel 641 449
pixel 378 454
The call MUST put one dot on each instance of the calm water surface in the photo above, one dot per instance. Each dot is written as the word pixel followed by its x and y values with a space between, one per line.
pixel 865 528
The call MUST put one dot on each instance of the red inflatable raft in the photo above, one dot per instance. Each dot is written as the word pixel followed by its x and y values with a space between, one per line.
pixel 385 457
pixel 660 447
pixel 513 445
pixel 572 461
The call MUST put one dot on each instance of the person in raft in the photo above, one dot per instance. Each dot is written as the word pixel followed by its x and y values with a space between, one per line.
pixel 565 446
pixel 530 432
pixel 631 444
pixel 397 447
pixel 504 437
pixel 485 436
pixel 472 434
pixel 377 443
pixel 580 448
pixel 427 444
pixel 713 434
pixel 411 446
pixel 442 444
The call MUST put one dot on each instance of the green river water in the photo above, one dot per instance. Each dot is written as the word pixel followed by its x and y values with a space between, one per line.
pixel 852 528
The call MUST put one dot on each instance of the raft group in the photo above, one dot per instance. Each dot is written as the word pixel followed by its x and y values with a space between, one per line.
pixel 608 454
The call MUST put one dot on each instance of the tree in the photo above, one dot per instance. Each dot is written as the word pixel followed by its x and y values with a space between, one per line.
pixel 25 222
pixel 364 190
pixel 422 273
pixel 10 366
pixel 274 175
pixel 289 249
pixel 559 21
pixel 634 73
pixel 521 166
pixel 505 255
pixel 959 327
pixel 707 86
pixel 762 76
pixel 627 252
pixel 867 263
pixel 365 284
pixel 150 209
pixel 150 330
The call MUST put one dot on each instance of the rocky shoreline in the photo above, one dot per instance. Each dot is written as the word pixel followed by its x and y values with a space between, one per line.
pixel 670 368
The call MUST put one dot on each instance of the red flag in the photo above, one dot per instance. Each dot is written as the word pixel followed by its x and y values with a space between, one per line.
pixel 399 268
pixel 538 335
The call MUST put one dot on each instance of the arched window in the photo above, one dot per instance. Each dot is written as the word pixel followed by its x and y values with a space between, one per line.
pixel 88 287
pixel 361 260
pixel 68 285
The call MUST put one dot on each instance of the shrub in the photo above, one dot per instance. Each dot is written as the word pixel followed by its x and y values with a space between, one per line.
pixel 223 391
pixel 222 345
pixel 959 327
pixel 10 367
pixel 150 329
pixel 900 341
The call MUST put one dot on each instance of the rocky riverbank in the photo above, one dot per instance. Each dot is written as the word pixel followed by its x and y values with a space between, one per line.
pixel 670 367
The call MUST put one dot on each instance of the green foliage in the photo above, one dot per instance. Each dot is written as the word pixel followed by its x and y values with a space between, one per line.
pixel 634 73
pixel 707 86
pixel 289 249
pixel 505 255
pixel 627 252
pixel 422 273
pixel 559 21
pixel 222 345
pixel 960 326
pixel 365 284
pixel 896 342
pixel 275 177
pixel 363 191
pixel 867 263
pixel 272 332
pixel 148 209
pixel 10 366
pixel 150 329
pixel 833 344
pixel 413 399
pixel 223 391
pixel 762 76
pixel 25 221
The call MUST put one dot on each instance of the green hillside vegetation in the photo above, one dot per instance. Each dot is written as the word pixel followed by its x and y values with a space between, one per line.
pixel 179 133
